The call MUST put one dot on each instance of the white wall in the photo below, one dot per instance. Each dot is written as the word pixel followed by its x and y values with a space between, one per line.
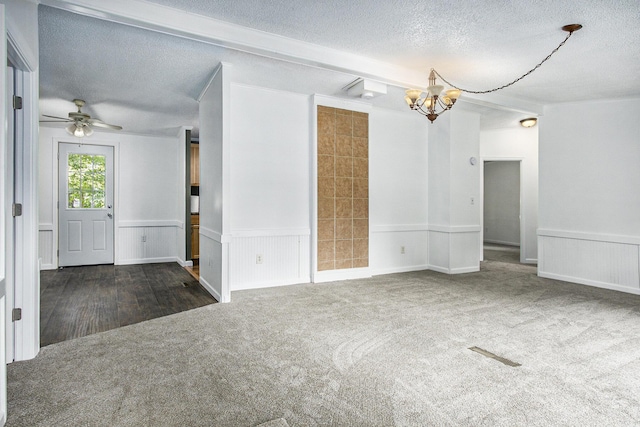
pixel 22 25
pixel 269 169
pixel 519 144
pixel 454 187
pixel 589 199
pixel 148 202
pixel 502 202
pixel 269 159
pixel 215 184
pixel 397 191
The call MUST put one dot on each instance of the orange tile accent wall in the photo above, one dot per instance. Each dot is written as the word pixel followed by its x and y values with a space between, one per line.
pixel 343 189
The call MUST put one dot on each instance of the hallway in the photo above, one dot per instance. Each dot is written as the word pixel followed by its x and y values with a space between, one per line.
pixel 79 301
pixel 502 253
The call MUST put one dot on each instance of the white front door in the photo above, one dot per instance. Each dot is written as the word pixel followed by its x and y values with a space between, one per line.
pixel 85 213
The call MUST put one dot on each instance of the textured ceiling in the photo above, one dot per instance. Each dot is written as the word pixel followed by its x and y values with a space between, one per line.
pixel 479 44
pixel 148 81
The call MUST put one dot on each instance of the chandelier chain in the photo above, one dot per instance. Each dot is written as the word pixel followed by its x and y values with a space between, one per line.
pixel 513 82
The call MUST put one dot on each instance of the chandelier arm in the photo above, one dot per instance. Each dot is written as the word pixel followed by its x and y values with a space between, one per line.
pixel 442 104
pixel 513 82
pixel 421 110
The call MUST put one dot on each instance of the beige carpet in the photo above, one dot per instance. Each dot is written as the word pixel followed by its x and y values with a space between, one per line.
pixel 388 351
pixel 280 422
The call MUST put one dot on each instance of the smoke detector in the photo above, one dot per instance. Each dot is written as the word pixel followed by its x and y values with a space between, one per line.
pixel 366 89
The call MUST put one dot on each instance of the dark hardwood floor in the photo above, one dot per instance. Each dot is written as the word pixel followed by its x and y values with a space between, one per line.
pixel 79 301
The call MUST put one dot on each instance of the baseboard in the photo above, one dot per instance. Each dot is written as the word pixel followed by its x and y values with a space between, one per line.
pixel 270 284
pixel 346 274
pixel 407 269
pixel 464 270
pixel 210 289
pixel 531 261
pixel 147 261
pixel 588 282
pixel 438 269
pixel 460 270
pixel 133 262
pixel 185 263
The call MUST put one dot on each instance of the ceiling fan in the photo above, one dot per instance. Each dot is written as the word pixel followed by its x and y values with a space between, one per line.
pixel 81 123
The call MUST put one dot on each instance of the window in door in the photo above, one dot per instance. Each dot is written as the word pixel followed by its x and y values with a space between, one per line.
pixel 86 180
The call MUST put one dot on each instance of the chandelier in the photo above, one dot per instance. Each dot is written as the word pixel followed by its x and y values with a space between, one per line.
pixel 435 102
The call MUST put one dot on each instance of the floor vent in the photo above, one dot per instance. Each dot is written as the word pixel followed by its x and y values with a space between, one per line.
pixel 495 357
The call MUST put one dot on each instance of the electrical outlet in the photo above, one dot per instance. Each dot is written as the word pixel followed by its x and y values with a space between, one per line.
pixel 402 250
pixel 259 259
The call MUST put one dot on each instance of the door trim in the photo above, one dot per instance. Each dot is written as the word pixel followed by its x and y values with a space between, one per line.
pixel 6 187
pixel 523 236
pixel 27 295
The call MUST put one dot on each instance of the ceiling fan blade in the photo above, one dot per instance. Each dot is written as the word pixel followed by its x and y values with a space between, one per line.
pixel 100 123
pixel 66 119
pixel 53 121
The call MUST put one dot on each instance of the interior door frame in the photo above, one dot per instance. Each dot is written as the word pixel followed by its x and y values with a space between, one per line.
pixel 26 272
pixel 12 171
pixel 521 197
pixel 4 223
pixel 116 184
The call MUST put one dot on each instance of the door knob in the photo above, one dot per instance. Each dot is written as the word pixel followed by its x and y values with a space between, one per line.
pixel 110 215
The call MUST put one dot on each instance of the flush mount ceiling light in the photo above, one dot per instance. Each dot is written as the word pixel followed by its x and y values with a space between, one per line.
pixel 530 122
pixel 435 102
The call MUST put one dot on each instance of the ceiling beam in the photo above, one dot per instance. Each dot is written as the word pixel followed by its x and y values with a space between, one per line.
pixel 179 23
pixel 175 22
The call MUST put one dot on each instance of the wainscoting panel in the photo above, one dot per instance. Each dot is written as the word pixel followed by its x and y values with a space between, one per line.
pixel 439 251
pixel 464 254
pixel 46 249
pixel 454 249
pixel 146 244
pixel 138 242
pixel 262 260
pixel 214 264
pixel 590 260
pixel 400 248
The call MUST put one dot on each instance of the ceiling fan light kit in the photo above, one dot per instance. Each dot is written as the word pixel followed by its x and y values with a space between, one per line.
pixel 79 130
pixel 435 102
pixel 81 124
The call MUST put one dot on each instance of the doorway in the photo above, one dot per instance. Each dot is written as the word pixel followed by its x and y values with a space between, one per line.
pixel 501 211
pixel 85 212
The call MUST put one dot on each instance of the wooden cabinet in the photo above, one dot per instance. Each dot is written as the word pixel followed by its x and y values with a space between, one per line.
pixel 195 165
pixel 195 236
